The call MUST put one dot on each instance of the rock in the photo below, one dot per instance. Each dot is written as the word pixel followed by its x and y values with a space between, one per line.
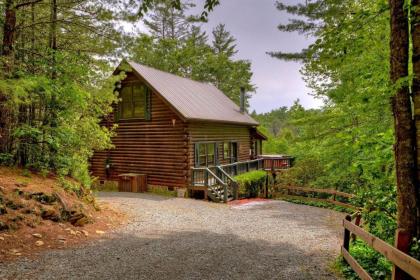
pixel 13 205
pixel 37 235
pixel 39 243
pixel 50 214
pixel 76 216
pixel 81 222
pixel 100 232
pixel 60 237
pixel 44 198
pixel 3 226
pixel 1 238
pixel 21 185
pixel 72 232
pixel 3 209
pixel 2 189
pixel 15 252
pixel 85 233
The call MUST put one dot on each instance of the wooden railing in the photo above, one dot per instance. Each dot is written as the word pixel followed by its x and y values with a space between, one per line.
pixel 238 168
pixel 297 191
pixel 404 264
pixel 211 176
pixel 276 162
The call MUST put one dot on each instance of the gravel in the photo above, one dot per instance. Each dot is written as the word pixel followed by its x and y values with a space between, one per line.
pixel 176 238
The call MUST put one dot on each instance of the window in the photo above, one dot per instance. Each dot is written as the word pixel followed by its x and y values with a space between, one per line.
pixel 205 154
pixel 230 151
pixel 257 147
pixel 226 150
pixel 135 101
pixel 211 154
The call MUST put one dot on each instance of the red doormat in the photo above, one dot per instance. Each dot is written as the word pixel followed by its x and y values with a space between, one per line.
pixel 247 200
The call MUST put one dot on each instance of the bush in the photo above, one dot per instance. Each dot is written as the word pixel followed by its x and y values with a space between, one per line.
pixel 250 183
pixel 378 267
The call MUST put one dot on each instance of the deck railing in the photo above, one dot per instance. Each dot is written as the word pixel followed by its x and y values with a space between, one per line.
pixel 238 168
pixel 276 162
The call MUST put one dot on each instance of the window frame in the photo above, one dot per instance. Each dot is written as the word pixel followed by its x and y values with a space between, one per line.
pixel 230 145
pixel 146 102
pixel 198 154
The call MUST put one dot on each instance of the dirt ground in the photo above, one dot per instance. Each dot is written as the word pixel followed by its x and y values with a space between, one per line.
pixel 176 238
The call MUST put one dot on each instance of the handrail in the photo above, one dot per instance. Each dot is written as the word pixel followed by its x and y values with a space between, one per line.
pixel 400 259
pixel 225 173
pixel 216 177
pixel 240 162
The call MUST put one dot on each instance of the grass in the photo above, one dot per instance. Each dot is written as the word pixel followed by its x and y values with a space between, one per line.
pixel 162 191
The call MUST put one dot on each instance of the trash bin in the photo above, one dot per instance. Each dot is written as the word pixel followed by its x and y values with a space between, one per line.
pixel 132 182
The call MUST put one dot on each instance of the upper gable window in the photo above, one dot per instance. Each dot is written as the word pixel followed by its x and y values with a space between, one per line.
pixel 135 102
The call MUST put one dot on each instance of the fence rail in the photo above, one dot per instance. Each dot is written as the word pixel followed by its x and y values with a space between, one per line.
pixel 403 263
pixel 332 192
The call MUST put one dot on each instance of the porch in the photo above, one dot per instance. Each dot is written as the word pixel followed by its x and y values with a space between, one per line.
pixel 218 183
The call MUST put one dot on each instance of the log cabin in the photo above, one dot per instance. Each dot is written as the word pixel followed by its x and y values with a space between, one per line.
pixel 179 132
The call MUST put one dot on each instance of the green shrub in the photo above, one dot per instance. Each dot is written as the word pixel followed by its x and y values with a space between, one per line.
pixel 373 262
pixel 250 183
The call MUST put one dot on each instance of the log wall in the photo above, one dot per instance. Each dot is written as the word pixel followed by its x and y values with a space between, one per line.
pixel 157 148
pixel 218 132
pixel 161 149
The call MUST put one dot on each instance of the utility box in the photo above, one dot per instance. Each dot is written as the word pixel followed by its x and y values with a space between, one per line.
pixel 132 182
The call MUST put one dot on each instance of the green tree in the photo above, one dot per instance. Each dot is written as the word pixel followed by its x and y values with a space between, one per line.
pixel 165 21
pixel 223 42
pixel 192 59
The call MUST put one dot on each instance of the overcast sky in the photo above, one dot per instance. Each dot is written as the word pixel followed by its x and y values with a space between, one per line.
pixel 254 24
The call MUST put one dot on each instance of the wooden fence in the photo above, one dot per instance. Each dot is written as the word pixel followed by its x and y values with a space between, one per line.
pixel 404 265
pixel 299 190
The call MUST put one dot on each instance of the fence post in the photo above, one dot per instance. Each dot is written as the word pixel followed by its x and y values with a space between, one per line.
pixel 346 239
pixel 402 243
pixel 357 223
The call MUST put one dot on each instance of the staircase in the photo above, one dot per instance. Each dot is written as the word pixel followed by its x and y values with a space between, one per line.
pixel 220 186
pixel 217 193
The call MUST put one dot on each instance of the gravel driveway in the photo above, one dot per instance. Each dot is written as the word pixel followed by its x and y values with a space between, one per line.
pixel 175 238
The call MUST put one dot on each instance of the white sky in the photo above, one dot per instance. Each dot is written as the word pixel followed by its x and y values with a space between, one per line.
pixel 254 25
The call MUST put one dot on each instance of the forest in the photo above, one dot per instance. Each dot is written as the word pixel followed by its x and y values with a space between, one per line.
pixel 57 58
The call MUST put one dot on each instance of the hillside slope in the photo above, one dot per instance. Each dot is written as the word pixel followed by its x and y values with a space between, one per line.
pixel 39 212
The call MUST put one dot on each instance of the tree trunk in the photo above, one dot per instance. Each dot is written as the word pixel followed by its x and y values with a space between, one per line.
pixel 415 34
pixel 9 29
pixel 403 121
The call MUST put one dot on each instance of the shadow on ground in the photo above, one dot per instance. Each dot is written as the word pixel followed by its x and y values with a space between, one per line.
pixel 147 196
pixel 172 256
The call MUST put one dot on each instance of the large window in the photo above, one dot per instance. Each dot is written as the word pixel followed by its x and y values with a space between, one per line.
pixel 226 150
pixel 257 147
pixel 205 154
pixel 134 102
pixel 230 151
